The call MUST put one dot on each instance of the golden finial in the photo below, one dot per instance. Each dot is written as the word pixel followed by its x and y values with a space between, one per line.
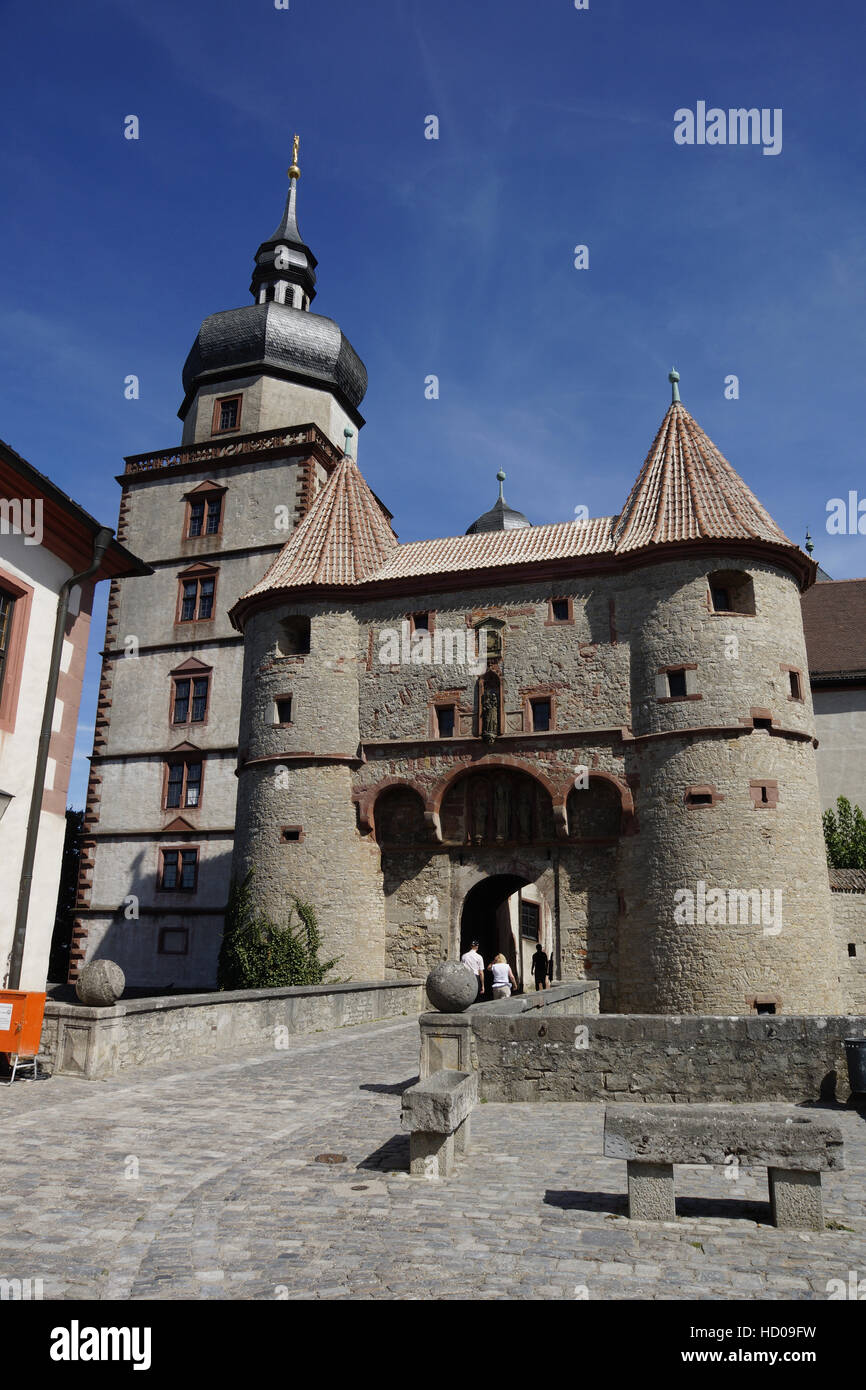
pixel 294 171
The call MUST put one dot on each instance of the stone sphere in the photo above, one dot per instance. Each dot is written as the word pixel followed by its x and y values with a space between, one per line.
pixel 451 988
pixel 100 984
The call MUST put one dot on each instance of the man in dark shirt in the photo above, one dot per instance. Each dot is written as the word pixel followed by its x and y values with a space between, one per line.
pixel 539 968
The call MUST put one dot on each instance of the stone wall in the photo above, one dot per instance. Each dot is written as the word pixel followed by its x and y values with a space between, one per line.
pixel 541 1057
pixel 849 921
pixel 613 894
pixel 94 1043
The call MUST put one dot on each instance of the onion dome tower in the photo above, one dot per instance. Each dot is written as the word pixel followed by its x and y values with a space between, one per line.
pixel 293 366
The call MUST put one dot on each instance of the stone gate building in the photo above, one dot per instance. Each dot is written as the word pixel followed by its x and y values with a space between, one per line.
pixel 595 734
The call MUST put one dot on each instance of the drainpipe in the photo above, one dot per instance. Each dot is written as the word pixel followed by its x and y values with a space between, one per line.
pixel 101 542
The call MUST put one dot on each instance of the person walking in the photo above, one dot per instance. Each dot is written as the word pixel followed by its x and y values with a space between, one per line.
pixel 540 967
pixel 503 977
pixel 474 962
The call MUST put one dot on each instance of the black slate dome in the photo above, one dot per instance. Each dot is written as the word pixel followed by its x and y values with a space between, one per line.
pixel 501 517
pixel 278 339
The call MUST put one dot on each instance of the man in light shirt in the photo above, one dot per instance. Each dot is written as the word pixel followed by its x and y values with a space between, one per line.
pixel 474 962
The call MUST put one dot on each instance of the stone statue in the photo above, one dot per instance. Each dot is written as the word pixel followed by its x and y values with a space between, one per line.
pixel 490 712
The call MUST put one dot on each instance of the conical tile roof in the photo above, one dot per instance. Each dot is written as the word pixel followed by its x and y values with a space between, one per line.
pixel 344 538
pixel 687 490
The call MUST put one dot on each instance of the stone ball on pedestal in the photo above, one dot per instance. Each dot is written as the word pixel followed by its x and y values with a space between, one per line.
pixel 451 988
pixel 100 984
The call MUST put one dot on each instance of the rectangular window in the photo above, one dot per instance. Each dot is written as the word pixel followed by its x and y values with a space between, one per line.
pixel 196 517
pixel 420 622
pixel 197 598
pixel 7 603
pixel 559 610
pixel 445 720
pixel 179 870
pixel 721 599
pixel 284 710
pixel 181 702
pixel 676 683
pixel 529 920
pixel 183 786
pixel 190 700
pixel 226 414
pixel 190 597
pixel 214 514
pixel 205 597
pixel 794 681
pixel 173 941
pixel 540 716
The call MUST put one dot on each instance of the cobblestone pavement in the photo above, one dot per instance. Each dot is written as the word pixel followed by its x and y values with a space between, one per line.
pixel 229 1203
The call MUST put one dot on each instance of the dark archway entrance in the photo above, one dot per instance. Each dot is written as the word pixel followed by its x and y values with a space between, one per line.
pixel 485 918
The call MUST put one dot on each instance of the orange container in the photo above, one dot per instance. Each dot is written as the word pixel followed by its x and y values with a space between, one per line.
pixel 21 1013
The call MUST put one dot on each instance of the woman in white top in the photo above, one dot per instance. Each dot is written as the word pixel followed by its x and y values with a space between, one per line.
pixel 503 977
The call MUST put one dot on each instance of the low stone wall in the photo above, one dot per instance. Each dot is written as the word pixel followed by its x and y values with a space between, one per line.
pixel 94 1043
pixel 448 1040
pixel 643 1057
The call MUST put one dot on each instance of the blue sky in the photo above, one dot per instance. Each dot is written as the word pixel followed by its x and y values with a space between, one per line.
pixel 452 257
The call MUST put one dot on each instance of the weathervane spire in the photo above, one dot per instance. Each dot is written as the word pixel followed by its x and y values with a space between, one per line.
pixel 673 378
pixel 294 171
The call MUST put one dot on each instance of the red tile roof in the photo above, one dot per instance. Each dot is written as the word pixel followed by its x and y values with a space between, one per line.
pixel 685 491
pixel 834 621
pixel 344 538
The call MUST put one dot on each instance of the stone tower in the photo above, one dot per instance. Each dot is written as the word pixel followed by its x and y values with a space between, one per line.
pixel 658 654
pixel 729 904
pixel 270 391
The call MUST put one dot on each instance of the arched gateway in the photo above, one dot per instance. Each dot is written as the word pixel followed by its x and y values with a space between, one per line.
pixel 501 855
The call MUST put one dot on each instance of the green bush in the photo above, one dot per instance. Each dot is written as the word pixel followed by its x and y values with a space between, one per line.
pixel 845 834
pixel 257 953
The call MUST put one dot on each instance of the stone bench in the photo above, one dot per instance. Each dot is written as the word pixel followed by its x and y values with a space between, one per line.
pixel 794 1146
pixel 436 1112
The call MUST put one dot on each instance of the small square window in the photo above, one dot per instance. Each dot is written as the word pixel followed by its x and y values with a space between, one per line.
pixel 284 710
pixel 852 948
pixel 699 798
pixel 765 1008
pixel 540 716
pixel 420 622
pixel 291 834
pixel 173 941
pixel 559 610
pixel 676 684
pixel 445 720
pixel 762 723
